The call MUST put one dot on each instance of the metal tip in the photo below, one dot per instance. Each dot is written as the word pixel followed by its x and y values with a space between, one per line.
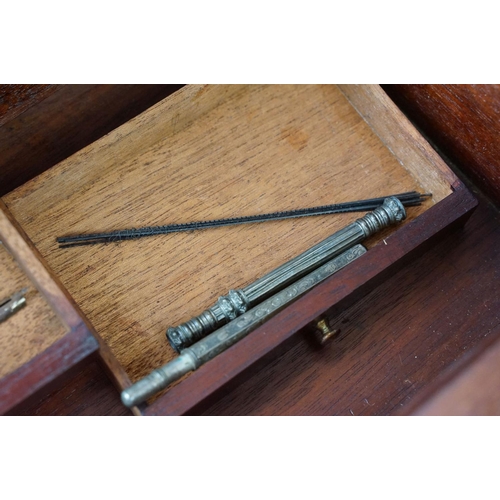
pixel 128 398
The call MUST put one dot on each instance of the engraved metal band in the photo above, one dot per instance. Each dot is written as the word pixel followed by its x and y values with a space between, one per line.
pixel 207 348
pixel 238 301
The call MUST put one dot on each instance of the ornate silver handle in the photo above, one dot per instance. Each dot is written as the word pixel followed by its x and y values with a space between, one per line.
pixel 207 348
pixel 236 302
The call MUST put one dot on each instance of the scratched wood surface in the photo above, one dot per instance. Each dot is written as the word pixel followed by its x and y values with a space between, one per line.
pixel 32 329
pixel 204 152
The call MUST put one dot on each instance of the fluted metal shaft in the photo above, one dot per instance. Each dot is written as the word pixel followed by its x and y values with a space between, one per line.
pixel 236 302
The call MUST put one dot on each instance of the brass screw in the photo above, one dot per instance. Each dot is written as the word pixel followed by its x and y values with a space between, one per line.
pixel 325 332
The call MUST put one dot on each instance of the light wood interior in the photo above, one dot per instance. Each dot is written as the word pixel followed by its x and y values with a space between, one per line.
pixel 397 133
pixel 205 152
pixel 30 330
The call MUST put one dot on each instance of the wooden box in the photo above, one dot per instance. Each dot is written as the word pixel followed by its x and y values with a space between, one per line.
pixel 207 152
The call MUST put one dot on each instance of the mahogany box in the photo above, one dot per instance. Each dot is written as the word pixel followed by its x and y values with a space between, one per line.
pixel 202 153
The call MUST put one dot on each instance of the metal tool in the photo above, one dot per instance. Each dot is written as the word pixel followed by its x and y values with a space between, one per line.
pixel 206 349
pixel 12 304
pixel 409 199
pixel 238 301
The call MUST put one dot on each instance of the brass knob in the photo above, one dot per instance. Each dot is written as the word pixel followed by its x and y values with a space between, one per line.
pixel 325 332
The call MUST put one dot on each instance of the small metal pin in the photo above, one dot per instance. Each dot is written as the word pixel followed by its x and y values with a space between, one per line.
pixel 12 304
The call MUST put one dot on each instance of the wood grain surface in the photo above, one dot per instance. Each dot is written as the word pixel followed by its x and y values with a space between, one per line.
pixel 15 99
pixel 401 138
pixel 463 121
pixel 33 328
pixel 205 152
pixel 34 359
pixel 41 125
pixel 87 392
pixel 470 389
